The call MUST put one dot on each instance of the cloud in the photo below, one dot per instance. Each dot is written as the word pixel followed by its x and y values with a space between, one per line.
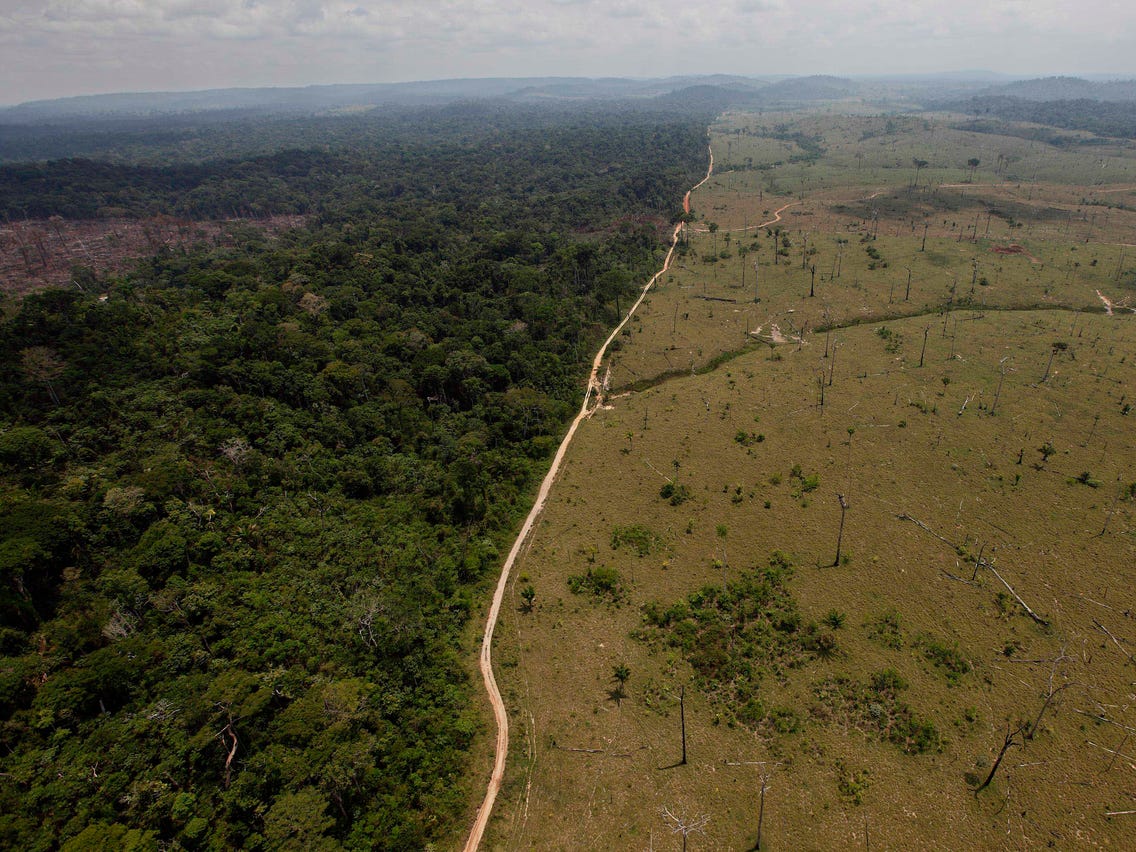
pixel 56 47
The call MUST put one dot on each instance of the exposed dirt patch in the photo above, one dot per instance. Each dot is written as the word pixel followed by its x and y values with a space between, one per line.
pixel 38 254
pixel 1014 248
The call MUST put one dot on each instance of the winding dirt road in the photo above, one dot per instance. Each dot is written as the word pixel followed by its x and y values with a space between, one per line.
pixel 592 399
pixel 776 218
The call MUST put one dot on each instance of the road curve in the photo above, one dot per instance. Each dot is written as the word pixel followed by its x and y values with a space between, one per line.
pixel 486 660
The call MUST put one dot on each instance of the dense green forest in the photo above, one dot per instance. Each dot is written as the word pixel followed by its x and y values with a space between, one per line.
pixel 250 501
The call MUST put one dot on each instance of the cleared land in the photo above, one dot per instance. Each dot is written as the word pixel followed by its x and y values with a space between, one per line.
pixel 979 429
pixel 40 253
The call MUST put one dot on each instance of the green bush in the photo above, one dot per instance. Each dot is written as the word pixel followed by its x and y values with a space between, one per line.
pixel 637 536
pixel 675 493
pixel 946 657
pixel 884 628
pixel 601 581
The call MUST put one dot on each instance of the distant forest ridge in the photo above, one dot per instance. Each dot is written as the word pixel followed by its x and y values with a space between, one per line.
pixel 164 128
pixel 160 129
pixel 1065 89
pixel 769 89
pixel 1116 119
pixel 310 99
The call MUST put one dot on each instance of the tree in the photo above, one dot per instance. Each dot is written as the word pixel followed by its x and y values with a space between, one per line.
pixel 685 825
pixel 299 821
pixel 1058 346
pixel 973 162
pixel 528 595
pixel 840 535
pixel 919 166
pixel 620 674
pixel 1010 740
pixel 42 364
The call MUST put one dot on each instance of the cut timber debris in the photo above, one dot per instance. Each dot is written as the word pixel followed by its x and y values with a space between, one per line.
pixel 981 563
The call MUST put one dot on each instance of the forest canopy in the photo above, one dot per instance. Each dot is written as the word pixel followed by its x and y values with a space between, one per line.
pixel 250 497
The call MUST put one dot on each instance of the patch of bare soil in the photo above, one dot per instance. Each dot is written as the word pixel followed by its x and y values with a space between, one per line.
pixel 1014 248
pixel 38 254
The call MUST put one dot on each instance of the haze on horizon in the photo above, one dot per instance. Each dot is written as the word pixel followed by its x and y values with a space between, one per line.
pixel 60 48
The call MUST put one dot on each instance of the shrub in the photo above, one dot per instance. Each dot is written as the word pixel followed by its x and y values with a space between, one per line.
pixel 637 536
pixel 675 493
pixel 885 629
pixel 946 657
pixel 602 582
pixel 834 619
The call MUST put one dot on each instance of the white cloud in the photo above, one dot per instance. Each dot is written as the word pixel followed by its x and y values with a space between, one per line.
pixel 58 47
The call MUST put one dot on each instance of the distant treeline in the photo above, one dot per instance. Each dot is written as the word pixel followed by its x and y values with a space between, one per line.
pixel 1116 119
pixel 447 156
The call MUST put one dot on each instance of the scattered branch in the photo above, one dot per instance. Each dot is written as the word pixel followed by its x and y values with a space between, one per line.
pixel 925 528
pixel 1037 618
pixel 979 563
pixel 1115 641
pixel 580 750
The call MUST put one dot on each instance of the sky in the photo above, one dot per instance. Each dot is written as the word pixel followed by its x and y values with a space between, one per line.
pixel 58 48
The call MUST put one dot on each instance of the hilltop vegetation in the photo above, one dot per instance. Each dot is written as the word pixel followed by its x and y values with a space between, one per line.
pixel 1104 118
pixel 1065 89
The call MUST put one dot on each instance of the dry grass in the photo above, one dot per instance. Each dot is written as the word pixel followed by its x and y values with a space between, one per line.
pixel 592 770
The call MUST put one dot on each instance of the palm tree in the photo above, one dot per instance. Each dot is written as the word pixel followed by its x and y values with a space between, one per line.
pixel 620 675
pixel 919 164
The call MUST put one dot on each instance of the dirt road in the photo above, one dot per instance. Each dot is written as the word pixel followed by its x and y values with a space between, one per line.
pixel 776 218
pixel 591 399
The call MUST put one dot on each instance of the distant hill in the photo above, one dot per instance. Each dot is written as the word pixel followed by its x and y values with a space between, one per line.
pixel 816 88
pixel 1065 89
pixel 322 99
pixel 310 100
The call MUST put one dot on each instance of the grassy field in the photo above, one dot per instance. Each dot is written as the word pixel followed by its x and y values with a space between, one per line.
pixel 976 436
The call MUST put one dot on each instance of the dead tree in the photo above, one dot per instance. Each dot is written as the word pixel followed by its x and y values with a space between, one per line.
pixel 1001 378
pixel 840 534
pixel 685 825
pixel 42 364
pixel 232 746
pixel 761 807
pixel 1111 510
pixel 1050 693
pixel 682 721
pixel 1058 346
pixel 1006 745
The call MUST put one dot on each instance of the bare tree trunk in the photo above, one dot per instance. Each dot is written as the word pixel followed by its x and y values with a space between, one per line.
pixel 682 720
pixel 840 534
pixel 1009 741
